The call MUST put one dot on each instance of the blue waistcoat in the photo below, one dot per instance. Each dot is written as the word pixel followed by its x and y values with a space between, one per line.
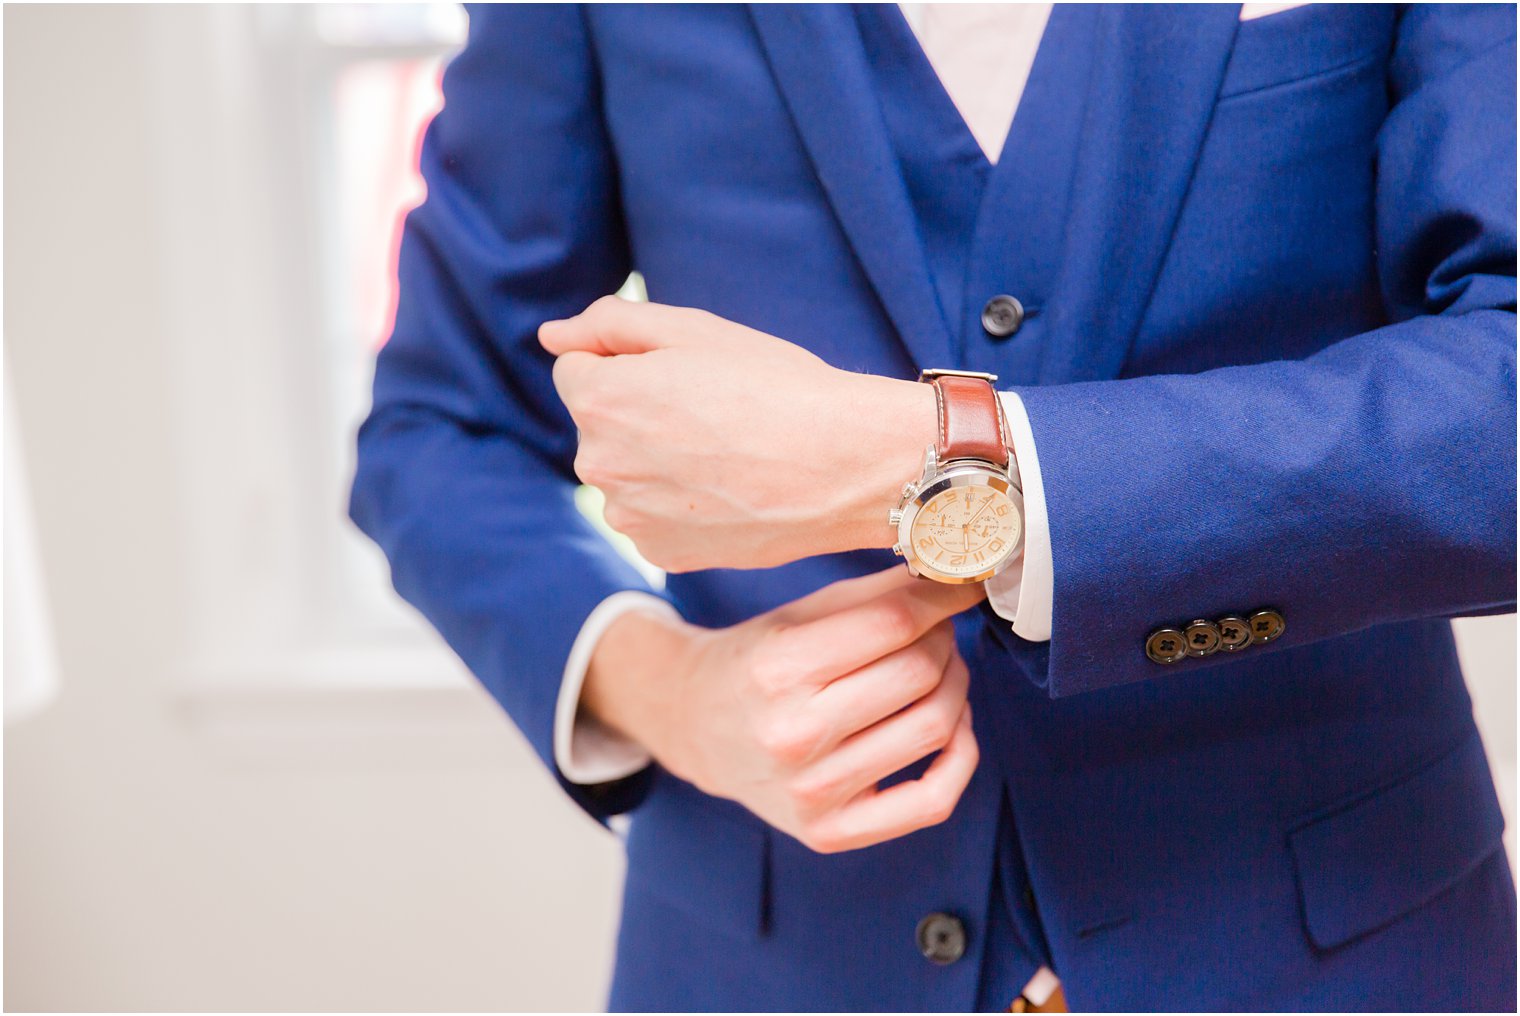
pixel 965 208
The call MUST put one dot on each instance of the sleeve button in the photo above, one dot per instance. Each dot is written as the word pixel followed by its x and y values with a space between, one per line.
pixel 1202 638
pixel 1234 633
pixel 1166 645
pixel 1266 625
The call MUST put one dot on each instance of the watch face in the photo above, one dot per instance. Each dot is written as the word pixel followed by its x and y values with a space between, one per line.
pixel 967 529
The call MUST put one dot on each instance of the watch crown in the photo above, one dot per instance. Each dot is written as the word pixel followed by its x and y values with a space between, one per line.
pixel 894 517
pixel 897 549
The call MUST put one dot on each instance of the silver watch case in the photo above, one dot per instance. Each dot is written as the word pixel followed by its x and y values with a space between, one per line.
pixel 935 480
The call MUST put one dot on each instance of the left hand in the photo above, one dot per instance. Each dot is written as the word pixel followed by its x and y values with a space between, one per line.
pixel 719 446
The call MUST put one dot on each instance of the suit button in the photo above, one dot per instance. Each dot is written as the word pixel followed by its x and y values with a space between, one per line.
pixel 1002 316
pixel 1234 633
pixel 1202 638
pixel 941 938
pixel 1166 645
pixel 1266 625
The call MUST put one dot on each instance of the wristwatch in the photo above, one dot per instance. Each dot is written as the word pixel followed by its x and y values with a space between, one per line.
pixel 962 520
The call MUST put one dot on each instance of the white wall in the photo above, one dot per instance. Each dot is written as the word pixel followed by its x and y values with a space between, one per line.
pixel 169 849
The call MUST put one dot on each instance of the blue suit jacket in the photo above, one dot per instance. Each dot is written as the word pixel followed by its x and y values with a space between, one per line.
pixel 1276 367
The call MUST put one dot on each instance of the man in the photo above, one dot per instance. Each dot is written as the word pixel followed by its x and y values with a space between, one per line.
pixel 1246 278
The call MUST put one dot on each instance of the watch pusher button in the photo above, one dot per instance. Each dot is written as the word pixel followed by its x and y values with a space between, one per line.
pixel 897 549
pixel 894 516
pixel 910 490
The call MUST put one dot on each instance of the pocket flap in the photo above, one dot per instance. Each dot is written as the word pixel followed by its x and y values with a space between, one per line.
pixel 1371 860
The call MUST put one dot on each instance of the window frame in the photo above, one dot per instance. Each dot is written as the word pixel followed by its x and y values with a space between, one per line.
pixel 249 249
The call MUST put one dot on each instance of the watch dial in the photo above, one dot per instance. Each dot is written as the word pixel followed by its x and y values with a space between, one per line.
pixel 966 530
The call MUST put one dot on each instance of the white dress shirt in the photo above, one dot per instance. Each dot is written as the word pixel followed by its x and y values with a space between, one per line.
pixel 982 54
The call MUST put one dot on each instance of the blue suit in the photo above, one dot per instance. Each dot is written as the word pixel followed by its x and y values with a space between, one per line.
pixel 1269 361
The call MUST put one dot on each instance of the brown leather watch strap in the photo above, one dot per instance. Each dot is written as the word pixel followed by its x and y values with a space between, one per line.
pixel 971 424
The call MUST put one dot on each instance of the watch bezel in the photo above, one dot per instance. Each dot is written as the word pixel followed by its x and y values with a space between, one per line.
pixel 953 474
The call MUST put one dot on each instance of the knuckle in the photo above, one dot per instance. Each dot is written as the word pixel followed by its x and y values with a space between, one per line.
pixel 809 793
pixel 618 515
pixel 771 666
pixel 776 739
pixel 921 671
pixel 602 306
pixel 589 469
pixel 939 808
pixel 893 621
pixel 597 468
pixel 789 740
pixel 933 729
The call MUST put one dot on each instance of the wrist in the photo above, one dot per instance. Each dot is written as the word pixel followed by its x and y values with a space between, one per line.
pixel 629 681
pixel 888 425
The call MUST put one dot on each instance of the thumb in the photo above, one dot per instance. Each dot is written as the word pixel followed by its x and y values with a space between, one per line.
pixel 612 326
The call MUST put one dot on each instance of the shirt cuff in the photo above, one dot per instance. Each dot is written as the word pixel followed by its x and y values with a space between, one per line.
pixel 1041 986
pixel 586 750
pixel 1024 593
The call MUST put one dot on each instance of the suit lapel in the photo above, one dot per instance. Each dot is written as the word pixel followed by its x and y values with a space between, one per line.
pixel 1156 74
pixel 820 65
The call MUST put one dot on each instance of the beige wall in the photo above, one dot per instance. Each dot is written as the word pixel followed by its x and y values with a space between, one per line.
pixel 172 848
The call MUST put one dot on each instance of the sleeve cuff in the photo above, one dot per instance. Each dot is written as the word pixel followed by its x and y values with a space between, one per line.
pixel 586 751
pixel 1023 593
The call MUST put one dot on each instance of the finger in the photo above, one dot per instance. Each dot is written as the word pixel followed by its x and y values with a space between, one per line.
pixel 615 326
pixel 880 815
pixel 835 596
pixel 886 686
pixel 571 373
pixel 866 758
pixel 831 646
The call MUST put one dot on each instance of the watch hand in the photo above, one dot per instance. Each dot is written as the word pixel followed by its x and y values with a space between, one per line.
pixel 985 505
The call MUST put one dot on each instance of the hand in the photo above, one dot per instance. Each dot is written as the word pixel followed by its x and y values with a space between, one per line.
pixel 720 446
pixel 798 714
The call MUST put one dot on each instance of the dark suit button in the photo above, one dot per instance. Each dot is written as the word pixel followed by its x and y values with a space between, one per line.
pixel 1234 633
pixel 1266 625
pixel 941 938
pixel 1002 316
pixel 1202 638
pixel 1166 645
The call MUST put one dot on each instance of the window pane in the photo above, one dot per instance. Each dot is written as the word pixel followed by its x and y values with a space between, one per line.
pixel 381 109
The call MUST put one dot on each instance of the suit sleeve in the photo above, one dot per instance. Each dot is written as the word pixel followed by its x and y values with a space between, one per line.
pixel 465 474
pixel 1373 482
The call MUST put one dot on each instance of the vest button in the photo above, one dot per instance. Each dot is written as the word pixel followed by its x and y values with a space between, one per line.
pixel 1002 316
pixel 941 938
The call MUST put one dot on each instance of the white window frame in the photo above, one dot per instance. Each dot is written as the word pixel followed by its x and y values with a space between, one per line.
pixel 255 359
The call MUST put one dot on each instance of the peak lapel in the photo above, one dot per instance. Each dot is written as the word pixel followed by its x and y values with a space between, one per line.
pixel 819 63
pixel 1156 74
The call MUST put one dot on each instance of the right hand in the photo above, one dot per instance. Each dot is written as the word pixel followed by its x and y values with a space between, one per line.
pixel 799 713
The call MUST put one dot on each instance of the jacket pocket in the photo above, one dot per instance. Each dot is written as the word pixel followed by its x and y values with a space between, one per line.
pixel 705 856
pixel 1307 41
pixel 1364 863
